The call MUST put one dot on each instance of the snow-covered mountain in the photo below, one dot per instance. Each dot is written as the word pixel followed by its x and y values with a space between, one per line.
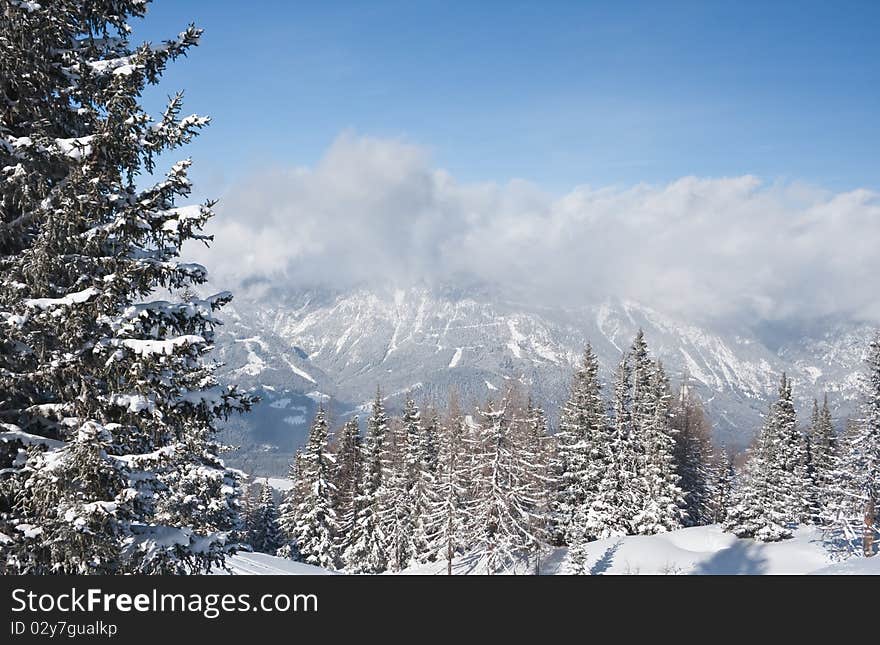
pixel 341 346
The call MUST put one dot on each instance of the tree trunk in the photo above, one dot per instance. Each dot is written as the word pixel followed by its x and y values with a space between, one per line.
pixel 449 557
pixel 868 538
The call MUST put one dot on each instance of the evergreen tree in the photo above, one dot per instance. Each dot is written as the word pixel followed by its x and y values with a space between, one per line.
pixel 367 551
pixel 618 501
pixel 773 495
pixel 694 456
pixel 812 510
pixel 287 509
pixel 393 500
pixel 792 457
pixel 313 525
pixel 637 484
pixel 348 477
pixel 418 480
pixel 504 501
pixel 723 484
pixel 854 513
pixel 431 441
pixel 662 499
pixel 405 492
pixel 543 483
pixel 99 382
pixel 581 459
pixel 67 482
pixel 246 513
pixel 825 451
pixel 449 515
pixel 265 532
pixel 756 509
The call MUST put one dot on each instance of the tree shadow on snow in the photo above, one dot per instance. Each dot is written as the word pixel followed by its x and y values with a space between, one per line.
pixel 552 561
pixel 604 562
pixel 743 557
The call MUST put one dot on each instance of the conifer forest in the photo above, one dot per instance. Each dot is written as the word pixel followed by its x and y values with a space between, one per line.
pixel 115 404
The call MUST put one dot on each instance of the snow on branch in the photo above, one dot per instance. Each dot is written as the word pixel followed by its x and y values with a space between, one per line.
pixel 13 433
pixel 151 347
pixel 69 300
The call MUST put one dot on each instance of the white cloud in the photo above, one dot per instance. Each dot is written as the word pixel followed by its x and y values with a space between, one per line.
pixel 375 210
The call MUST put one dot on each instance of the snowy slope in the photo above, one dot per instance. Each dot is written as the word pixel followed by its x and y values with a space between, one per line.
pixel 703 550
pixel 261 564
pixel 852 567
pixel 310 346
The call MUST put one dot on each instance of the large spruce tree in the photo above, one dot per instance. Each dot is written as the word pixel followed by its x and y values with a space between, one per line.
pixel 853 514
pixel 825 451
pixel 774 493
pixel 449 518
pixel 368 546
pixel 347 478
pixel 694 456
pixel 264 533
pixel 417 481
pixel 582 456
pixel 107 404
pixel 662 499
pixel 504 505
pixel 311 520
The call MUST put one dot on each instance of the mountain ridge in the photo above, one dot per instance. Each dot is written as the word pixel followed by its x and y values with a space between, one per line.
pixel 322 345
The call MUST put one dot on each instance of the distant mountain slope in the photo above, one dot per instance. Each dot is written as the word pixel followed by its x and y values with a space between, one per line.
pixel 340 346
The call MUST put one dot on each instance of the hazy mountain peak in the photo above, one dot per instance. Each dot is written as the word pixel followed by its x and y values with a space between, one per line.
pixel 427 340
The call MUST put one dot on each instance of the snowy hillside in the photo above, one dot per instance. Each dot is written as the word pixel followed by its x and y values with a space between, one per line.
pixel 699 550
pixel 261 564
pixel 314 346
pixel 703 550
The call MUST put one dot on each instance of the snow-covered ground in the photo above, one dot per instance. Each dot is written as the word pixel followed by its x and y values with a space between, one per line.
pixel 703 550
pixel 280 484
pixel 261 564
pixel 699 550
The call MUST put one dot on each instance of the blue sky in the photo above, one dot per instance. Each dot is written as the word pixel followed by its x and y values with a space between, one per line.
pixel 559 93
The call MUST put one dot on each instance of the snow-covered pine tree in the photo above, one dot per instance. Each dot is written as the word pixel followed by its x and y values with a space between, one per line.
pixel 314 518
pixel 348 476
pixel 792 458
pixel 825 452
pixel 636 413
pixel 418 479
pixel 770 498
pixel 85 538
pixel 394 502
pixel 812 512
pixel 662 500
pixel 108 407
pixel 617 501
pixel 755 509
pixel 694 456
pixel 448 515
pixel 367 550
pixel 543 483
pixel 250 507
pixel 723 483
pixel 853 516
pixel 568 465
pixel 287 509
pixel 582 455
pixel 814 418
pixel 265 533
pixel 504 501
pixel 431 440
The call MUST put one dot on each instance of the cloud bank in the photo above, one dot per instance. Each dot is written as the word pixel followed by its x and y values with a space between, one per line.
pixel 377 211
